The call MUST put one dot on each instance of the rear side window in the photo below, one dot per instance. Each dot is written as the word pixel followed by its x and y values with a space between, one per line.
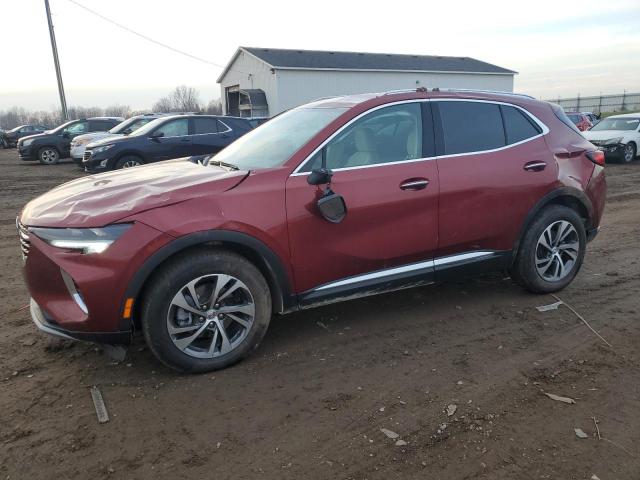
pixel 205 125
pixel 470 127
pixel 518 126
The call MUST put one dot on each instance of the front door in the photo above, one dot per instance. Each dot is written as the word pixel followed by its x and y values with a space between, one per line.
pixel 174 143
pixel 383 166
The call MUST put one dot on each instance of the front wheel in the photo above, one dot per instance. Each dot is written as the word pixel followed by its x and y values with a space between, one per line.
pixel 629 153
pixel 129 161
pixel 205 311
pixel 48 156
pixel 551 251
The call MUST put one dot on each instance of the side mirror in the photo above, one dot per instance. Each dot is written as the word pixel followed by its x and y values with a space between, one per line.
pixel 156 135
pixel 320 176
pixel 332 207
pixel 126 131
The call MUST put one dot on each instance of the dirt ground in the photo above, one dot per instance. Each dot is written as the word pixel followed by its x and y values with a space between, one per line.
pixel 311 402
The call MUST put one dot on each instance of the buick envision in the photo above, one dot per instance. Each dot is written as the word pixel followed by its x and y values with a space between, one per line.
pixel 333 200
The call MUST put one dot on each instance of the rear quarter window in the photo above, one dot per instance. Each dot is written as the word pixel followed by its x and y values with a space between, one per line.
pixel 518 125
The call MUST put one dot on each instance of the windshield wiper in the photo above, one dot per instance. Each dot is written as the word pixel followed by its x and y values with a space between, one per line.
pixel 230 166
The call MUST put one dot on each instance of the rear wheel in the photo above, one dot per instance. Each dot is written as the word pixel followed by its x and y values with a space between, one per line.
pixel 129 161
pixel 205 311
pixel 629 153
pixel 552 250
pixel 48 155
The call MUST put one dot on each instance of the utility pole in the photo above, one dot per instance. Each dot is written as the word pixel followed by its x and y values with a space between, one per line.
pixel 56 61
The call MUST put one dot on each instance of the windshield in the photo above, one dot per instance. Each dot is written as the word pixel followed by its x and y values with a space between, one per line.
pixel 274 142
pixel 574 118
pixel 617 124
pixel 130 125
pixel 145 129
pixel 62 127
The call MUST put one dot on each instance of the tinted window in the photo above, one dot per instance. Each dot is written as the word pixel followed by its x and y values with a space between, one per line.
pixel 575 118
pixel 471 127
pixel 222 127
pixel 390 134
pixel 99 126
pixel 518 126
pixel 205 125
pixel 175 128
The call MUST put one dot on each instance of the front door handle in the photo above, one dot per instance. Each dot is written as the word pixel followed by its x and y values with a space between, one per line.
pixel 414 184
pixel 535 166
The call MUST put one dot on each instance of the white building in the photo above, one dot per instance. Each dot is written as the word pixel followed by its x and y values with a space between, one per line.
pixel 262 82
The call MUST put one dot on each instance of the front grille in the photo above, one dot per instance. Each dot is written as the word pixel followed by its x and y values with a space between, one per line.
pixel 23 234
pixel 87 155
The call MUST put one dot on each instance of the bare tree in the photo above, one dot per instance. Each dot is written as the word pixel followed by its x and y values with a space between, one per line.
pixel 118 111
pixel 214 107
pixel 182 99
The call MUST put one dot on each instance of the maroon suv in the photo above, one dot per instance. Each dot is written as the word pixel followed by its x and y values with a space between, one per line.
pixel 333 200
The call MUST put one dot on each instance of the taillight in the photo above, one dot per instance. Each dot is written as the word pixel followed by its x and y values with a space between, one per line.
pixel 596 156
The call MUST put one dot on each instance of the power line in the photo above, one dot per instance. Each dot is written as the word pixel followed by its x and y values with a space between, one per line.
pixel 145 37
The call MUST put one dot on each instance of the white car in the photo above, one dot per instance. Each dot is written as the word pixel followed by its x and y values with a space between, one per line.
pixel 618 136
pixel 79 143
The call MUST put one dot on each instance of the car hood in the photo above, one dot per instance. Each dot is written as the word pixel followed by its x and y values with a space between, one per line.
pixel 98 200
pixel 37 135
pixel 109 140
pixel 88 137
pixel 604 134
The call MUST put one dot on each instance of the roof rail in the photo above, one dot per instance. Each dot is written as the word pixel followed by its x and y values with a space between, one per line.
pixel 474 90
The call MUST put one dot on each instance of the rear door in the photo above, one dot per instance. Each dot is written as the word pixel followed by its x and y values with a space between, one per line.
pixel 175 142
pixel 209 135
pixel 494 165
pixel 384 168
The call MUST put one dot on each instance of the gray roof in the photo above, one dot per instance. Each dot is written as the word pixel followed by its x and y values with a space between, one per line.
pixel 327 60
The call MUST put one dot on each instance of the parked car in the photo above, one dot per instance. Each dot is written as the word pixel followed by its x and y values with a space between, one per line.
pixel 49 147
pixel 165 138
pixel 618 136
pixel 579 120
pixel 593 118
pixel 79 143
pixel 334 200
pixel 10 138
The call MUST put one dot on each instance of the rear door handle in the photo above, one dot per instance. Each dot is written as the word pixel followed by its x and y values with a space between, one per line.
pixel 535 166
pixel 414 184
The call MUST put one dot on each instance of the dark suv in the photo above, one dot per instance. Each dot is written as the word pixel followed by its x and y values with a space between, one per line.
pixel 333 200
pixel 49 147
pixel 10 138
pixel 165 138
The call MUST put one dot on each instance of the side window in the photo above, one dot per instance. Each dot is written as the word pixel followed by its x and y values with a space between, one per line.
pixel 390 134
pixel 28 128
pixel 78 128
pixel 99 126
pixel 517 125
pixel 470 126
pixel 205 125
pixel 175 128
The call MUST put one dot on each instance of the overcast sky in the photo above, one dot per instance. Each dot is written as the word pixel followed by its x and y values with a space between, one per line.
pixel 559 48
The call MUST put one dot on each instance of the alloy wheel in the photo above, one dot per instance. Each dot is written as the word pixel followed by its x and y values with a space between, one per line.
pixel 131 163
pixel 49 155
pixel 557 251
pixel 210 316
pixel 628 153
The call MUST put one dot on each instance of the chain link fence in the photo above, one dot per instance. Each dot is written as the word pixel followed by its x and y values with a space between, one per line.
pixel 624 102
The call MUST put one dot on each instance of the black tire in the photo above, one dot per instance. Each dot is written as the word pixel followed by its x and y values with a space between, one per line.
pixel 129 161
pixel 4 143
pixel 172 279
pixel 49 155
pixel 629 153
pixel 524 270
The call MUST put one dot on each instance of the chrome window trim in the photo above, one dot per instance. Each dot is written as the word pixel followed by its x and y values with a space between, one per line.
pixel 406 268
pixel 537 121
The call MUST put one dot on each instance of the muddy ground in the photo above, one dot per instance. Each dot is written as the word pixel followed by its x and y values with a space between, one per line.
pixel 311 401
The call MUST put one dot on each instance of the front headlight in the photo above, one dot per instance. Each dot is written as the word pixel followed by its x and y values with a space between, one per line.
pixel 27 142
pixel 87 240
pixel 612 141
pixel 104 148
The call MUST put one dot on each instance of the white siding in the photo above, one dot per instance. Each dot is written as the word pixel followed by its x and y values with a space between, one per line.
pixel 296 87
pixel 250 72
